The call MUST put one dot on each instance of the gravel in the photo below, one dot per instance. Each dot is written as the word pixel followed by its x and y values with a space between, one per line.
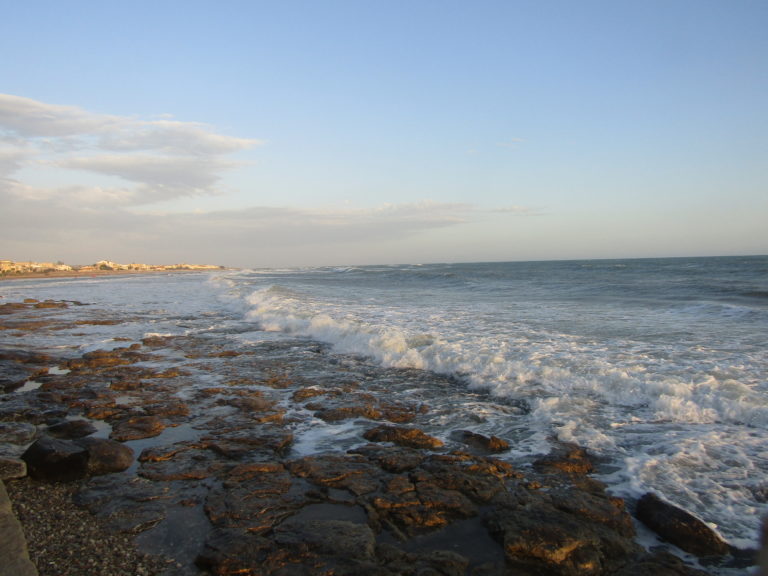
pixel 65 540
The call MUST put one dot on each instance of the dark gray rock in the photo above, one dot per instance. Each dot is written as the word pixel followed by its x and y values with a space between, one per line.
pixel 71 429
pixel 20 433
pixel 57 460
pixel 481 443
pixel 679 527
pixel 54 460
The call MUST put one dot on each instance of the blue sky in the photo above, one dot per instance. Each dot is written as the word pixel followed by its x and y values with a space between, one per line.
pixel 354 132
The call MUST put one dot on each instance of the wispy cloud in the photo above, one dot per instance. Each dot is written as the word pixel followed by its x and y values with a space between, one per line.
pixel 111 172
pixel 513 209
pixel 157 159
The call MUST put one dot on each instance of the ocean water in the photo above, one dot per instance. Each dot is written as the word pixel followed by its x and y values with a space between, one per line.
pixel 659 366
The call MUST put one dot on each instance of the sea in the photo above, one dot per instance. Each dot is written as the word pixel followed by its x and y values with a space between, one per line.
pixel 658 366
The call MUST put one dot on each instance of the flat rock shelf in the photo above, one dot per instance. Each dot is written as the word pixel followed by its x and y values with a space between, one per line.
pixel 179 455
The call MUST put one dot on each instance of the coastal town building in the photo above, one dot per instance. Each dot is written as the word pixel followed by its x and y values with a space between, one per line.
pixel 10 267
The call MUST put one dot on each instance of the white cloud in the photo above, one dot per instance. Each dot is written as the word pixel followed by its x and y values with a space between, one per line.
pixel 30 118
pixel 182 175
pixel 158 159
pixel 513 209
pixel 110 170
pixel 12 158
pixel 172 137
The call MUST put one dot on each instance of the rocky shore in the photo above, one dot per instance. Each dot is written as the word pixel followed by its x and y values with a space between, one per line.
pixel 179 455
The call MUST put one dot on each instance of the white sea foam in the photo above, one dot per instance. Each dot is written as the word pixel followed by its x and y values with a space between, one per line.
pixel 636 393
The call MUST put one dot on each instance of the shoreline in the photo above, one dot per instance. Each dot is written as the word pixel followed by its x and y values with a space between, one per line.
pixel 101 273
pixel 217 486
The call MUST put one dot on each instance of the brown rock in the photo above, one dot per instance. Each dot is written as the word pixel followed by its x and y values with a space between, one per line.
pixel 566 458
pixel 137 428
pixel 543 540
pixel 99 359
pixel 71 429
pixel 350 472
pixel 478 477
pixel 231 551
pixel 254 498
pixel 482 443
pixel 106 456
pixel 410 437
pixel 339 413
pixel 12 468
pixel 191 463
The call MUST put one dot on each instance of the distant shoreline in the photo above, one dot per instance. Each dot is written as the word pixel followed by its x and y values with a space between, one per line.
pixel 97 273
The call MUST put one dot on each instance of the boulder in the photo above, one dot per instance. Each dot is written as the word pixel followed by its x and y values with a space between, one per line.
pixel 106 456
pixel 679 527
pixel 59 460
pixel 55 460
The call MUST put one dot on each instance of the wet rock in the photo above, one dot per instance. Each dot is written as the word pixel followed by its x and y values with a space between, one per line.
pixel 12 468
pixel 679 527
pixel 308 393
pixel 167 408
pixel 410 437
pixel 480 478
pixel 19 433
pixel 99 359
pixel 106 456
pixel 343 404
pixel 481 443
pixel 59 460
pixel 566 458
pixel 658 564
pixel 254 498
pixel 346 412
pixel 235 552
pixel 409 505
pixel 401 413
pixel 180 461
pixel 543 540
pixel 16 367
pixel 54 460
pixel 237 441
pixel 327 537
pixel 350 472
pixel 51 304
pixel 71 429
pixel 594 506
pixel 137 428
pixel 393 459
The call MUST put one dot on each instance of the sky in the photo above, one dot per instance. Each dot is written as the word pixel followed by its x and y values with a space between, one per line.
pixel 340 132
